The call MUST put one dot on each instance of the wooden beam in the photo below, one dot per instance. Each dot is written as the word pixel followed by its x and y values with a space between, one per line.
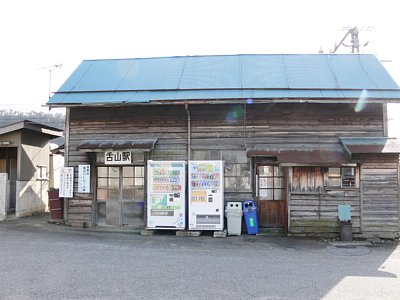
pixel 66 153
pixel 385 119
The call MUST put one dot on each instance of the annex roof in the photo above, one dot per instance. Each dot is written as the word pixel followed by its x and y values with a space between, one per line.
pixel 316 157
pixel 111 145
pixel 33 126
pixel 358 145
pixel 225 77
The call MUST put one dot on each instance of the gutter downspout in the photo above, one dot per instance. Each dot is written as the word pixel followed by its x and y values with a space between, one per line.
pixel 189 146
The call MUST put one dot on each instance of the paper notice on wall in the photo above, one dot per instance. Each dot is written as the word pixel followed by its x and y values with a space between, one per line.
pixel 84 179
pixel 66 182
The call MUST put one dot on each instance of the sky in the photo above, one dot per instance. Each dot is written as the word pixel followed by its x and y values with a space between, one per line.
pixel 38 35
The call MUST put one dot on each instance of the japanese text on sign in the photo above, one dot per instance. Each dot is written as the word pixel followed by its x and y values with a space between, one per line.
pixel 117 157
pixel 66 182
pixel 84 179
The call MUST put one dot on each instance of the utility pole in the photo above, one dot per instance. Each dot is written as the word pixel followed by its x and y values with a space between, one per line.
pixel 50 69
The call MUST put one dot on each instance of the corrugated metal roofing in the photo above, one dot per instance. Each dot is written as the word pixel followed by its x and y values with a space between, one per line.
pixel 283 76
pixel 371 145
pixel 305 157
pixel 146 144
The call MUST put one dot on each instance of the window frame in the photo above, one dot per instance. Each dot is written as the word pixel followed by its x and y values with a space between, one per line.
pixel 278 175
pixel 42 172
pixel 340 176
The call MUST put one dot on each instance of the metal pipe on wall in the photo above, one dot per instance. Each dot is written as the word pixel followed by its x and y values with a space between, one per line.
pixel 189 146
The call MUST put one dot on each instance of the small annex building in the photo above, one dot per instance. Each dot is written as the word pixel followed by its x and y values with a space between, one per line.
pixel 300 134
pixel 24 167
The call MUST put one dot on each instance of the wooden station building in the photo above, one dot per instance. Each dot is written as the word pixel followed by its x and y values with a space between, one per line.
pixel 300 134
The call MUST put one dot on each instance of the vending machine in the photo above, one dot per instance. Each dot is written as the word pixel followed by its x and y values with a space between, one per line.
pixel 206 195
pixel 166 199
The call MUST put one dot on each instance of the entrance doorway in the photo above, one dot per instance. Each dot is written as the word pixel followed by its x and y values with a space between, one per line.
pixel 8 164
pixel 271 196
pixel 120 196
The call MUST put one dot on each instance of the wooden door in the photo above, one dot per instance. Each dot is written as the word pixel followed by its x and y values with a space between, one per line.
pixel 271 192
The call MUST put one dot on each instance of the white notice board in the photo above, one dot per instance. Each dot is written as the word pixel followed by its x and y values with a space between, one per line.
pixel 84 179
pixel 66 182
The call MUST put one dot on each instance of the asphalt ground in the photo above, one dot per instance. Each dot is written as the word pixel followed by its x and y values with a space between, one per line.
pixel 49 261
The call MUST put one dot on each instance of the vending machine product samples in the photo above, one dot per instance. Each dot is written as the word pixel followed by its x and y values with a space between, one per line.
pixel 206 195
pixel 166 194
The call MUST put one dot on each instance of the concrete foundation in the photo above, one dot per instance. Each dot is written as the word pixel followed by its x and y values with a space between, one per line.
pixel 31 197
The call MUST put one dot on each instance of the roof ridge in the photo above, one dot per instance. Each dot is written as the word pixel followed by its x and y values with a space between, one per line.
pixel 230 55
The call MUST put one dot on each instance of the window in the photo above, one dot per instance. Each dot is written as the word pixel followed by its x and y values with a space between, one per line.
pixel 342 177
pixel 108 183
pixel 41 173
pixel 109 180
pixel 237 177
pixel 271 183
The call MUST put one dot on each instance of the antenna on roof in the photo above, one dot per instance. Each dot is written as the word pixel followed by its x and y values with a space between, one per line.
pixel 50 69
pixel 353 32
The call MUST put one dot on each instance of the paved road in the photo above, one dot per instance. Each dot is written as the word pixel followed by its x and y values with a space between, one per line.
pixel 47 261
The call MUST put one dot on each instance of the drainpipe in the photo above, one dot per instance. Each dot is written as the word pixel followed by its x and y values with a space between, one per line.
pixel 189 146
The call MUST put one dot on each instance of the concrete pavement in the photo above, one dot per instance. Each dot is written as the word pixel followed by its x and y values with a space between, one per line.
pixel 47 261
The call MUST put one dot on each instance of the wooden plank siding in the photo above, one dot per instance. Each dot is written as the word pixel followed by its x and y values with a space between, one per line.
pixel 168 124
pixel 314 205
pixel 227 132
pixel 316 214
pixel 379 179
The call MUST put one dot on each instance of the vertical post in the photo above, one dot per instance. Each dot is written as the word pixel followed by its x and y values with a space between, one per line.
pixel 361 199
pixel 66 153
pixel 93 181
pixel 289 176
pixel 398 192
pixel 385 119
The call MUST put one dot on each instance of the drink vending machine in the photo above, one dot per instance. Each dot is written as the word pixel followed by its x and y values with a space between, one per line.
pixel 166 199
pixel 206 195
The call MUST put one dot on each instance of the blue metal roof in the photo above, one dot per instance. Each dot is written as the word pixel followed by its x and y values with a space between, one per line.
pixel 270 76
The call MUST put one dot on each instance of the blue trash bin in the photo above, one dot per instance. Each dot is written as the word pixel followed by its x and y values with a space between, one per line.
pixel 250 216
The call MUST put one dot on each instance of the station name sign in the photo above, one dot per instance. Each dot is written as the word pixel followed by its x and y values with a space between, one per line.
pixel 117 157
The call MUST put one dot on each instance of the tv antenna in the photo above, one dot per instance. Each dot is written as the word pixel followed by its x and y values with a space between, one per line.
pixel 50 69
pixel 353 32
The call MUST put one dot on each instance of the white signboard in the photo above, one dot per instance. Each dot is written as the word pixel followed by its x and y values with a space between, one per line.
pixel 84 179
pixel 66 182
pixel 117 157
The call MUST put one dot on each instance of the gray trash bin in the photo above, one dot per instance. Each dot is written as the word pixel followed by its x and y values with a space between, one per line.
pixel 233 213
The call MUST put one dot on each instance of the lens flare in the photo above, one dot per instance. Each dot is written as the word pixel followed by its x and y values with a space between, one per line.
pixel 235 114
pixel 362 101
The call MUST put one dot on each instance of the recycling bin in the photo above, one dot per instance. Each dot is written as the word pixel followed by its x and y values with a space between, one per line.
pixel 233 213
pixel 250 216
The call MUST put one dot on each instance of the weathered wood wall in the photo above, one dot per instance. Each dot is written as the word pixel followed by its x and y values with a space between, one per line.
pixel 227 132
pixel 316 214
pixel 314 205
pixel 380 202
pixel 167 123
